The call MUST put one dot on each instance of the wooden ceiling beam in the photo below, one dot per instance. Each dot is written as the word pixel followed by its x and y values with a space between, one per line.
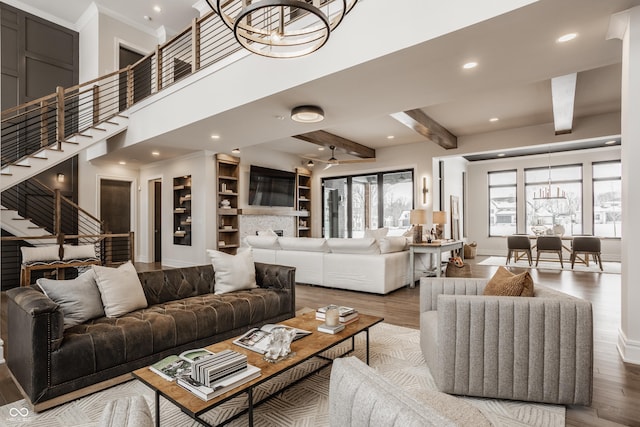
pixel 326 139
pixel 427 127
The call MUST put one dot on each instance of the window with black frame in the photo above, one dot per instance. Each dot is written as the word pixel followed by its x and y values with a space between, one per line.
pixel 502 203
pixel 607 199
pixel 351 204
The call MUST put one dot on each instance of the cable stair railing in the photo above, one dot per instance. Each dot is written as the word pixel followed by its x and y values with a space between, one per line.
pixel 43 132
pixel 45 217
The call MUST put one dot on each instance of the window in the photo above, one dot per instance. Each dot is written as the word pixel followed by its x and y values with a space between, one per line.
pixel 502 203
pixel 554 199
pixel 352 204
pixel 607 199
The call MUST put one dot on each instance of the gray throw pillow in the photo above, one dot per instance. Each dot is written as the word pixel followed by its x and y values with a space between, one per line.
pixel 79 298
pixel 120 289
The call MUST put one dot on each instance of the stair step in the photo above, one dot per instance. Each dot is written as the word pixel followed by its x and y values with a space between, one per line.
pixel 21 219
pixel 122 115
pixel 102 129
pixel 70 142
pixel 6 174
pixel 35 228
pixel 111 123
pixel 39 157
pixel 54 149
pixel 86 136
pixel 20 165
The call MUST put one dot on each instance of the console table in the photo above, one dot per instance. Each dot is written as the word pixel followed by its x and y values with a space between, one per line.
pixel 433 249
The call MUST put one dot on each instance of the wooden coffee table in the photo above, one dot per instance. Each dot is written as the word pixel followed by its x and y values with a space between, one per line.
pixel 305 349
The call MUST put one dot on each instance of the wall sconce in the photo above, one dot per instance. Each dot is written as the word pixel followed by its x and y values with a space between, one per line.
pixel 60 177
pixel 425 190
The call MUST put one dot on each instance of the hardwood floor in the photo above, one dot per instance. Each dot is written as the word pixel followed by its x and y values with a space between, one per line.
pixel 616 385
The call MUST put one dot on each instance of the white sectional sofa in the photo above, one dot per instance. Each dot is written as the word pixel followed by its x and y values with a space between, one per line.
pixel 367 264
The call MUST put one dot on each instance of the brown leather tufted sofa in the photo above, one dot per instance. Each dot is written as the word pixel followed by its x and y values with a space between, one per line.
pixel 53 365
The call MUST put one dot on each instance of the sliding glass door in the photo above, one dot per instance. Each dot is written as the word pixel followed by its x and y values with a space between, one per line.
pixel 353 204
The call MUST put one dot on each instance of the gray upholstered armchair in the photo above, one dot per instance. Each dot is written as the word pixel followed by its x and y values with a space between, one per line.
pixel 536 349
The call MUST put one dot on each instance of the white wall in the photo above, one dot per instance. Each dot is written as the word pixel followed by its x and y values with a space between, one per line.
pixel 201 167
pixel 478 196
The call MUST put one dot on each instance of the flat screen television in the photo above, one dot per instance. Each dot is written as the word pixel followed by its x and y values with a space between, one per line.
pixel 271 187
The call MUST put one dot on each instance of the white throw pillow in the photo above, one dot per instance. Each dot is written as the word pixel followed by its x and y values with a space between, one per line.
pixel 377 234
pixel 308 244
pixel 120 289
pixel 40 253
pixel 364 246
pixel 79 298
pixel 263 242
pixel 79 252
pixel 393 244
pixel 233 272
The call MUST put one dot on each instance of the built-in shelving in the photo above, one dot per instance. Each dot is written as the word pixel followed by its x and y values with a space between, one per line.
pixel 303 202
pixel 227 178
pixel 182 210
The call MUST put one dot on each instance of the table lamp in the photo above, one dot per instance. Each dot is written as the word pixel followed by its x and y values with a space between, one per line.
pixel 417 217
pixel 439 220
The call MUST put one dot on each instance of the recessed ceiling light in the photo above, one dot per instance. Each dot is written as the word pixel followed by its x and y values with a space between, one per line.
pixel 390 136
pixel 470 65
pixel 236 151
pixel 155 153
pixel 501 155
pixel 494 119
pixel 567 37
pixel 157 8
pixel 613 141
pixel 214 136
pixel 147 18
pixel 122 162
pixel 320 148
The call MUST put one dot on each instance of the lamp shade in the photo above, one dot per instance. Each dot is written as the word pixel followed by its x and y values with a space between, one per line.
pixel 439 217
pixel 418 216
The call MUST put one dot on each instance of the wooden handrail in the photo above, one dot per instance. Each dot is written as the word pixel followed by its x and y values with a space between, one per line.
pixel 75 205
pixel 28 104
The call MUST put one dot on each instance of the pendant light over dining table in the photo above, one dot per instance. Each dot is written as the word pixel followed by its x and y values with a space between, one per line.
pixel 282 28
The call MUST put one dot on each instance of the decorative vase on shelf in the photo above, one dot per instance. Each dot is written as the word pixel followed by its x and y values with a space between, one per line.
pixel 225 204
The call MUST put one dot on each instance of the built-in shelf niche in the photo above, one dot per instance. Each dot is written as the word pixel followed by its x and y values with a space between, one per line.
pixel 227 182
pixel 182 210
pixel 303 202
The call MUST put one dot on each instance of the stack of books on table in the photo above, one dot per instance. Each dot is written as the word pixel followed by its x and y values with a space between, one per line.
pixel 217 373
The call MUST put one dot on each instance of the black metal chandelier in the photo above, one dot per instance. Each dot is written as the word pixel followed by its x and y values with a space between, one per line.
pixel 282 28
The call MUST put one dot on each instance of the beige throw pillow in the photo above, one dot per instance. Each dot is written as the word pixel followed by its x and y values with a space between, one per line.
pixel 506 283
pixel 233 272
pixel 120 289
pixel 79 299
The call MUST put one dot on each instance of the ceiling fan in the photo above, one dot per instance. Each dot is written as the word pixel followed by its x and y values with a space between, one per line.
pixel 333 161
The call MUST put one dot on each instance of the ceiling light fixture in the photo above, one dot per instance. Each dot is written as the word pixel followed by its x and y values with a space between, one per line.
pixel 470 65
pixel 494 119
pixel 155 153
pixel 122 162
pixel 282 28
pixel 310 164
pixel 157 9
pixel 390 136
pixel 307 114
pixel 215 136
pixel 567 37
pixel 235 151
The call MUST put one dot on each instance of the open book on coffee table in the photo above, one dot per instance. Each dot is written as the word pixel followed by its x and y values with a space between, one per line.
pixel 258 339
pixel 174 366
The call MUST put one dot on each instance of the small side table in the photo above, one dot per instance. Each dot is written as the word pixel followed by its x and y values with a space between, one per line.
pixel 433 249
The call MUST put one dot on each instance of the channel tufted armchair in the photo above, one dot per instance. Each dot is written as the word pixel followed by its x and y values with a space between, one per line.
pixel 537 349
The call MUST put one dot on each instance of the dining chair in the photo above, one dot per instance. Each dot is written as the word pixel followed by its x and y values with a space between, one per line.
pixel 551 244
pixel 517 244
pixel 586 245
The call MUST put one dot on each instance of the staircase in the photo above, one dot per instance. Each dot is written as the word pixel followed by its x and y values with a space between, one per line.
pixel 48 156
pixel 19 226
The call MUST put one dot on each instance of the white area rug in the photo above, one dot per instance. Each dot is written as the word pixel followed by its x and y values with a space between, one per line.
pixel 395 353
pixel 607 267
